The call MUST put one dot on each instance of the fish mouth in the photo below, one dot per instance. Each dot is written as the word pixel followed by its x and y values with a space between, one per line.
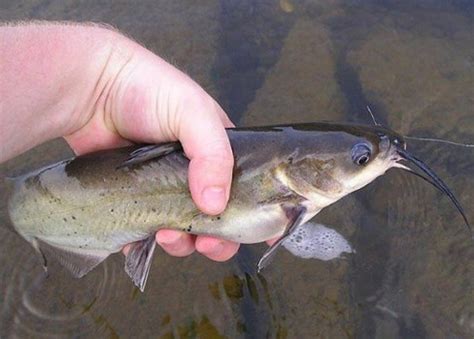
pixel 432 178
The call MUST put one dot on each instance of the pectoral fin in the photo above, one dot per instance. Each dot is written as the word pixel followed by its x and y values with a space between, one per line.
pixel 77 261
pixel 295 215
pixel 149 152
pixel 138 261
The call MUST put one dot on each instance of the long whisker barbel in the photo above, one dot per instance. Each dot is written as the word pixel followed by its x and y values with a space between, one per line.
pixel 453 143
pixel 435 181
pixel 372 115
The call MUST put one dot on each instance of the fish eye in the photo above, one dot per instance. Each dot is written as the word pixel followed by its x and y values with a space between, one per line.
pixel 361 154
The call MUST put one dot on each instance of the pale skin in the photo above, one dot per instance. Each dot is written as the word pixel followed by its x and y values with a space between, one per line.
pixel 98 89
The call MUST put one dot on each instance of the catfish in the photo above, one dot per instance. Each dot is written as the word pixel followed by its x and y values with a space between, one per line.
pixel 83 209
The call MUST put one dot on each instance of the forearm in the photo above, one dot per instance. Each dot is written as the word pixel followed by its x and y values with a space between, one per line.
pixel 52 79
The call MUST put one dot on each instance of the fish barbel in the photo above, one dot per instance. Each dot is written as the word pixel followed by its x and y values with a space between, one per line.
pixel 83 209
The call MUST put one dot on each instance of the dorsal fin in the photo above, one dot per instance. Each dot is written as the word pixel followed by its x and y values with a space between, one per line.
pixel 149 152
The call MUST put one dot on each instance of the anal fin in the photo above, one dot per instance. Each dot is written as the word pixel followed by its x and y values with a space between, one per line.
pixel 77 261
pixel 138 261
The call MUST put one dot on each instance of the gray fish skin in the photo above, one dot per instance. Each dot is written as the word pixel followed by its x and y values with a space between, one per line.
pixel 93 205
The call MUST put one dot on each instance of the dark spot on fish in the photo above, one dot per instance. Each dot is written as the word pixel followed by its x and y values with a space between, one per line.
pixel 102 194
pixel 136 202
pixel 65 219
pixel 75 232
pixel 190 227
pixel 123 187
pixel 290 160
pixel 73 218
pixel 153 209
pixel 218 218
pixel 112 210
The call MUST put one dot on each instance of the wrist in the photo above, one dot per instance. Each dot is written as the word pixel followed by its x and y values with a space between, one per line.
pixel 106 60
pixel 54 79
pixel 95 124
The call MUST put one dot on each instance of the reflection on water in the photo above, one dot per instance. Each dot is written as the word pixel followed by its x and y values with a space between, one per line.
pixel 317 241
pixel 287 61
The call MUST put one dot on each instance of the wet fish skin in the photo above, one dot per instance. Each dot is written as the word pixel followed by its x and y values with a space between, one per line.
pixel 91 206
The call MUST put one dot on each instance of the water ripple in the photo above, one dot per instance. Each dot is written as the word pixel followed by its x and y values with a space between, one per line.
pixel 37 304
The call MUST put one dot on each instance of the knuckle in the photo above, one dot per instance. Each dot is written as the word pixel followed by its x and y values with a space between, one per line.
pixel 195 97
pixel 220 150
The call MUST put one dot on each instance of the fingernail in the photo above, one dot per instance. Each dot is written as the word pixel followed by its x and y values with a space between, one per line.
pixel 214 199
pixel 167 239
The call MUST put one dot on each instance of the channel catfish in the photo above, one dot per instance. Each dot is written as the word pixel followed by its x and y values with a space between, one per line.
pixel 83 209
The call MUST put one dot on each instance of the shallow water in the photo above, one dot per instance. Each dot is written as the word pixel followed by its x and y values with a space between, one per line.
pixel 412 274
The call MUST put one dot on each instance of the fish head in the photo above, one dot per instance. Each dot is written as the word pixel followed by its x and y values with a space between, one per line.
pixel 365 153
pixel 359 154
pixel 342 158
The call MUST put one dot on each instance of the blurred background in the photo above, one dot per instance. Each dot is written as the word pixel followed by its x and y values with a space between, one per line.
pixel 268 62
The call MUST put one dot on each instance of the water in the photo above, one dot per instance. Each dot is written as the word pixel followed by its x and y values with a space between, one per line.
pixel 412 274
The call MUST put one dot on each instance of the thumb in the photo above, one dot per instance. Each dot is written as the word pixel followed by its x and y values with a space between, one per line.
pixel 205 142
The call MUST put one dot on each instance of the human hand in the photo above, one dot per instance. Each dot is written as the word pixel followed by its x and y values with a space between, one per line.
pixel 101 90
pixel 151 101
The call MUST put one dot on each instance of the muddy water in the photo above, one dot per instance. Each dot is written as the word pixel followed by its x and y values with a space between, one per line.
pixel 412 274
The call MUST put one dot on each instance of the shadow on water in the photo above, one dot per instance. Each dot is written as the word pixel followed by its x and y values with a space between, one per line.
pixel 285 61
pixel 251 35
